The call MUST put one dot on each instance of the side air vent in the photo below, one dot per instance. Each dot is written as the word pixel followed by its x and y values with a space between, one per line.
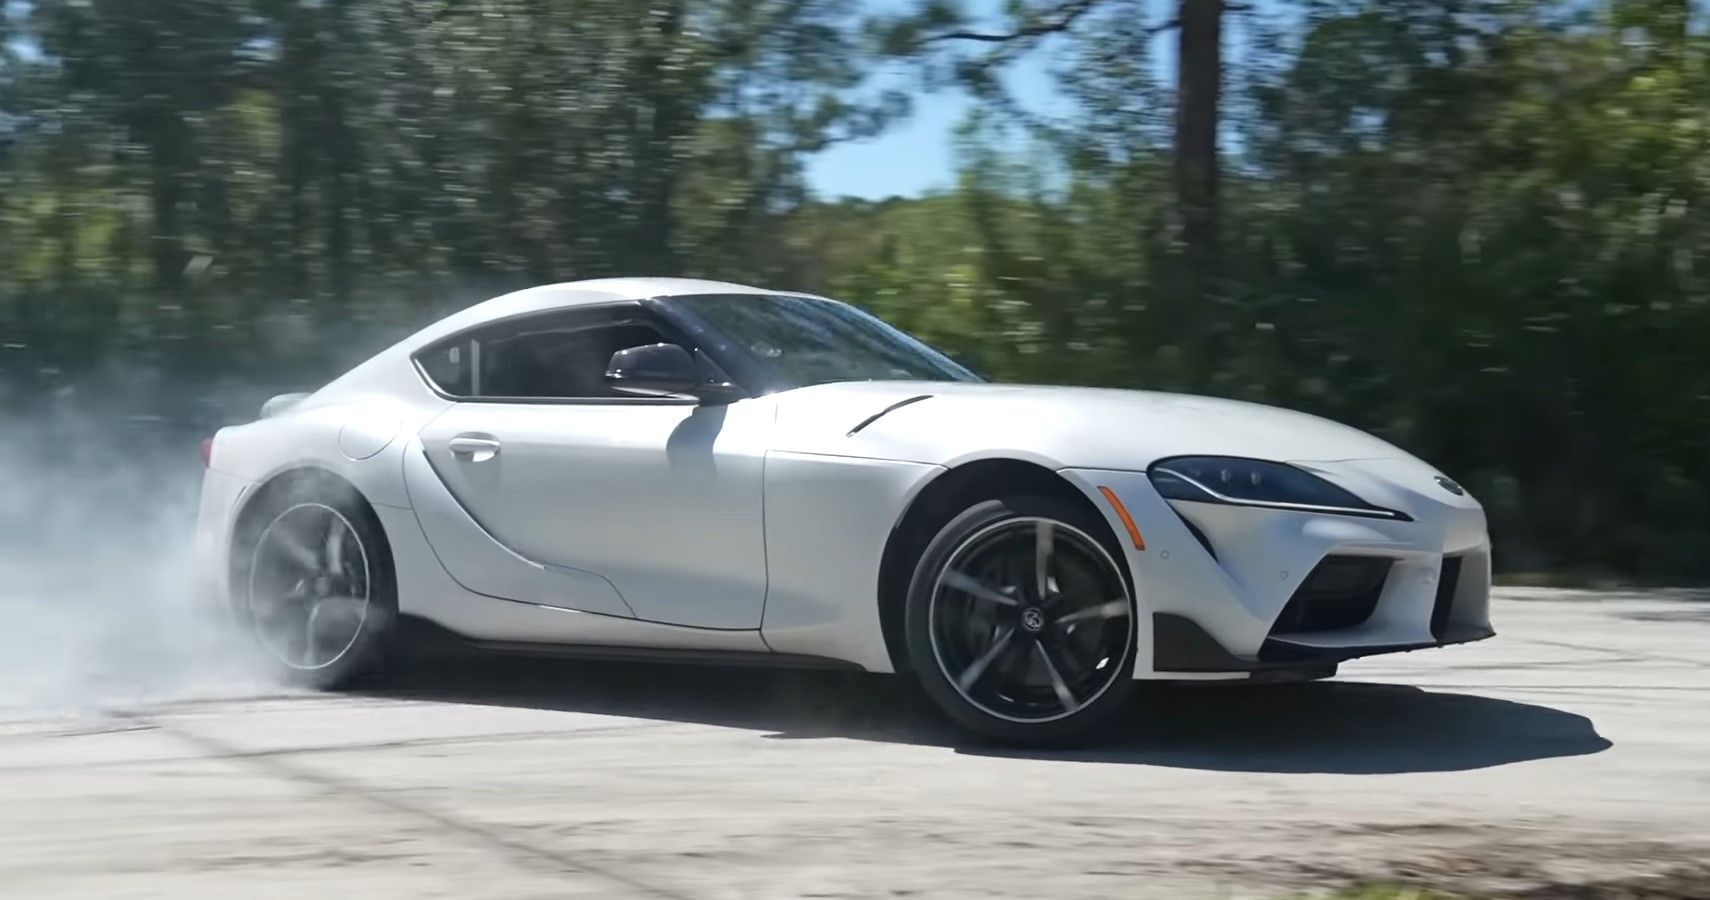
pixel 1197 534
pixel 1341 592
pixel 1447 581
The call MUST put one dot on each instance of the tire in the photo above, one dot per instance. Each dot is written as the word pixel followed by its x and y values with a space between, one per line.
pixel 1002 661
pixel 313 585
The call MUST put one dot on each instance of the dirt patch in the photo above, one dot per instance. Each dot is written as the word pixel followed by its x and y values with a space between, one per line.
pixel 1570 873
pixel 1684 883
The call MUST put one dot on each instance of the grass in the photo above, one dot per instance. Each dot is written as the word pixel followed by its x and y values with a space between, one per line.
pixel 1393 892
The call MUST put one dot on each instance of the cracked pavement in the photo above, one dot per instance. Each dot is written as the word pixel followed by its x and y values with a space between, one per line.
pixel 1573 747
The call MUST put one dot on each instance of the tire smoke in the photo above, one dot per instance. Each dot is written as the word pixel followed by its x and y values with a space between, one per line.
pixel 99 599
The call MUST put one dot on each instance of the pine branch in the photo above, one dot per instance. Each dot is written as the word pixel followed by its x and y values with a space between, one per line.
pixel 1064 18
pixel 1063 21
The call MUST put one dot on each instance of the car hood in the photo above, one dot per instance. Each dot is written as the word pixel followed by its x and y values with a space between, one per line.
pixel 947 423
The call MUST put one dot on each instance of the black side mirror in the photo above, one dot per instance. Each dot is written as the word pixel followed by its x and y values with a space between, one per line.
pixel 659 370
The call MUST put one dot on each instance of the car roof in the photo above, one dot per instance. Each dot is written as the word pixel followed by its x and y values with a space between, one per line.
pixel 577 293
pixel 641 288
pixel 389 370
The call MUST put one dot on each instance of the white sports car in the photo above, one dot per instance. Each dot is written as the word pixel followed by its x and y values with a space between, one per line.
pixel 689 469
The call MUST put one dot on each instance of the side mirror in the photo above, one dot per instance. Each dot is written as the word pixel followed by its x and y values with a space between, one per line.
pixel 657 370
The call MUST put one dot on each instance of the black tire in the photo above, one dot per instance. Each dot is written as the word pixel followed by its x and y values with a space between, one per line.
pixel 946 625
pixel 266 613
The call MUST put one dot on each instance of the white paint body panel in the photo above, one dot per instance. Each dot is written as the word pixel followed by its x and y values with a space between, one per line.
pixel 827 520
pixel 425 589
pixel 663 501
pixel 480 563
pixel 760 525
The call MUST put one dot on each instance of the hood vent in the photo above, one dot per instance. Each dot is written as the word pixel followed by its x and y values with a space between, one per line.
pixel 886 411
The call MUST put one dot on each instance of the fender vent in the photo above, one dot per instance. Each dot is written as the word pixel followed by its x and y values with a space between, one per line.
pixel 886 411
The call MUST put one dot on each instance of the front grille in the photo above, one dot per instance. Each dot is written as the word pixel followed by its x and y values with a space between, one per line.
pixel 1447 581
pixel 1341 592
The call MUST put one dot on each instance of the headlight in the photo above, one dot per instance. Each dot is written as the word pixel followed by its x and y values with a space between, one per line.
pixel 1255 482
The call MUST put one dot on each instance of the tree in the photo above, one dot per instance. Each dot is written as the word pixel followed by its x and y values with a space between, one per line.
pixel 154 68
pixel 1198 25
pixel 1199 90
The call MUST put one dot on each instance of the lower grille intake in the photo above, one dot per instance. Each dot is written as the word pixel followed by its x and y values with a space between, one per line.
pixel 1341 592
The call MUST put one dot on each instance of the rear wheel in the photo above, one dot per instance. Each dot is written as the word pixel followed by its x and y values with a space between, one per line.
pixel 1021 622
pixel 315 586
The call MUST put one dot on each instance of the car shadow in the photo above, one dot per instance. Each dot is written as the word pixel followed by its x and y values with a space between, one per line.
pixel 1353 728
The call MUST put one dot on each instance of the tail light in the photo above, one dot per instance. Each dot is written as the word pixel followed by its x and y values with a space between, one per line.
pixel 207 452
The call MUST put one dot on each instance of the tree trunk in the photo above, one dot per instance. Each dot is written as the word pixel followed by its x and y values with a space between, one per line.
pixel 168 139
pixel 299 67
pixel 341 172
pixel 669 120
pixel 1199 76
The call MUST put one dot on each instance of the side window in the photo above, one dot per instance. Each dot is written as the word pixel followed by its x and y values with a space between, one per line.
pixel 557 359
pixel 553 356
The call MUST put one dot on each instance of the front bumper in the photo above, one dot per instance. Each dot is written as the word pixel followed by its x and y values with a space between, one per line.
pixel 1215 582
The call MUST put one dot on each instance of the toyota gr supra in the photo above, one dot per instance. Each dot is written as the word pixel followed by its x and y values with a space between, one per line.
pixel 677 468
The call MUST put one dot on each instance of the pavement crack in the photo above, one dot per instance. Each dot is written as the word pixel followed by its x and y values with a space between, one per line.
pixel 74 732
pixel 1654 657
pixel 509 737
pixel 521 850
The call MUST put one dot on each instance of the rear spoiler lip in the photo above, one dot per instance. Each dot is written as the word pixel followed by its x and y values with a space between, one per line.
pixel 281 403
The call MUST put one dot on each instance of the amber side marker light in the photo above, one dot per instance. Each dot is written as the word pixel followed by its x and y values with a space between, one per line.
pixel 1122 513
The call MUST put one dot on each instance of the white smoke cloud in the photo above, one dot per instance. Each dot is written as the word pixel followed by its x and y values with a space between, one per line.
pixel 98 605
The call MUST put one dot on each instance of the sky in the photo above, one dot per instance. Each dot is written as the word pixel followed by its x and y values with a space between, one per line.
pixel 918 156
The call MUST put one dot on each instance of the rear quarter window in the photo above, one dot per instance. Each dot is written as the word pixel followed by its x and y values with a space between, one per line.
pixel 447 365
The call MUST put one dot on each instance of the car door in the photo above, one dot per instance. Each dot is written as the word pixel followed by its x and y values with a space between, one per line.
pixel 660 497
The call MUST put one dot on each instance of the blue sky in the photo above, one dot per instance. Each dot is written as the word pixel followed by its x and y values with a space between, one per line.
pixel 918 155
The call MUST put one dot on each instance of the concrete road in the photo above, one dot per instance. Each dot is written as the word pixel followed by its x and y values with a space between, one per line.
pixel 1574 747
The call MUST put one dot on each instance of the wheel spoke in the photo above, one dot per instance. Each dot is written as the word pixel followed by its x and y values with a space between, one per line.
pixel 1113 609
pixel 309 602
pixel 310 638
pixel 1058 685
pixel 997 606
pixel 276 609
pixel 1044 545
pixel 333 621
pixel 978 667
pixel 335 545
pixel 296 549
pixel 340 604
pixel 971 586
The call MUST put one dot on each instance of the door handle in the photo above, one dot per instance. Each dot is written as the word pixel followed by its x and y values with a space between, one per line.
pixel 478 449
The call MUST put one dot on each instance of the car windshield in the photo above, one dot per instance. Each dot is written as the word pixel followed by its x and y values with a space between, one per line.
pixel 805 341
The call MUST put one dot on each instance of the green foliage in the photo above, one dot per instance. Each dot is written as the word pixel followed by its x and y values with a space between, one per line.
pixel 221 172
pixel 1479 228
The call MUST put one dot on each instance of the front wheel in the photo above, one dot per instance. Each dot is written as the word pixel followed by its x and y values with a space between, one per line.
pixel 1021 622
pixel 314 585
